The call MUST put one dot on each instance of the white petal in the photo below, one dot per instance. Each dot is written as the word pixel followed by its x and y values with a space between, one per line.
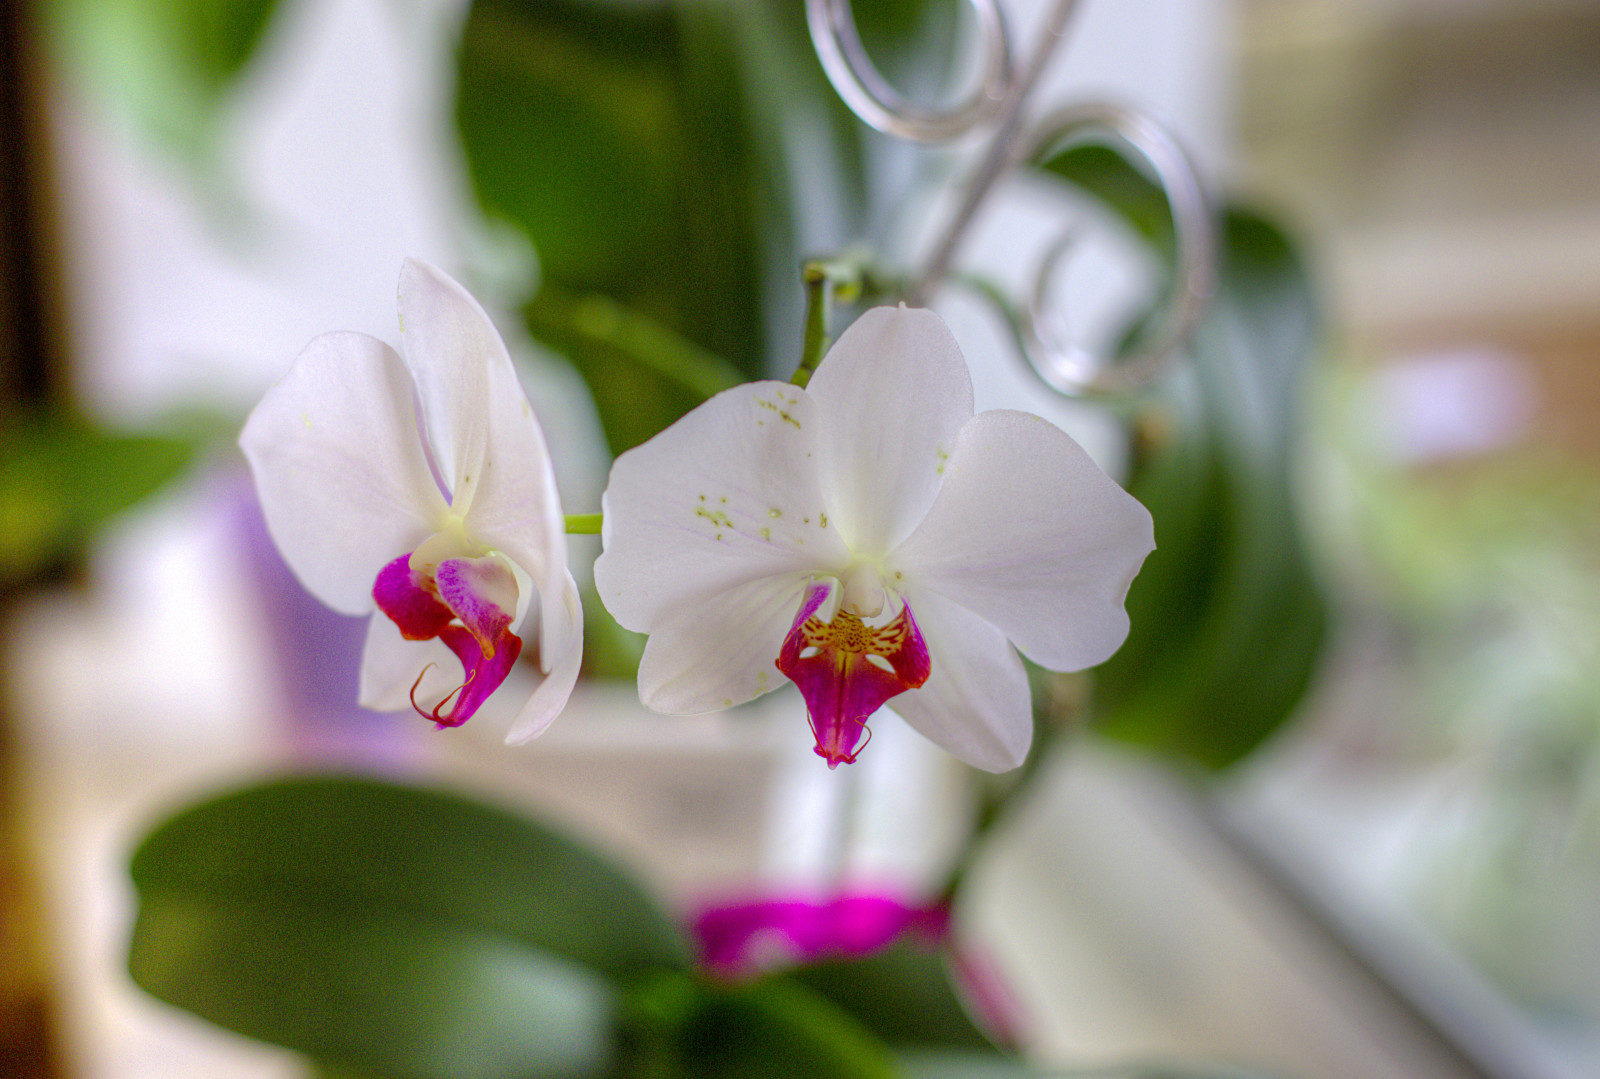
pixel 552 694
pixel 390 665
pixel 891 394
pixel 515 507
pixel 727 495
pixel 1029 534
pixel 459 362
pixel 340 469
pixel 975 702
pixel 722 651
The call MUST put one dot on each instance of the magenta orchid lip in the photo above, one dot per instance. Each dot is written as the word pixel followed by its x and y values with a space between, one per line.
pixel 831 661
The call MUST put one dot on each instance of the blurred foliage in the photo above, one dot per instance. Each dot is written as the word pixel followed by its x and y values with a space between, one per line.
pixel 166 65
pixel 642 149
pixel 1227 617
pixel 1482 574
pixel 61 479
pixel 617 138
pixel 903 994
pixel 393 931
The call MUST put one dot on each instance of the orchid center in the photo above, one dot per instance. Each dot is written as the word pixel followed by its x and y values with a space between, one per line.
pixel 450 541
pixel 863 590
pixel 847 668
pixel 468 603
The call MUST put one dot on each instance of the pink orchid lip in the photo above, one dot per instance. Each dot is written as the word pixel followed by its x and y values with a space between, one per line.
pixel 452 605
pixel 832 663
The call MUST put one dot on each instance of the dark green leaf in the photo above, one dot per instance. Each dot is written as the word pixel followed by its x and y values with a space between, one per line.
pixel 1106 174
pixel 775 1028
pixel 617 137
pixel 902 994
pixel 385 991
pixel 366 922
pixel 979 1066
pixel 1227 617
pixel 61 480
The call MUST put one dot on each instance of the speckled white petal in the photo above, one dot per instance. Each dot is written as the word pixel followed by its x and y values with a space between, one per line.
pixel 976 702
pixel 339 467
pixel 1029 534
pixel 390 665
pixel 722 651
pixel 458 361
pixel 891 395
pixel 727 495
pixel 561 666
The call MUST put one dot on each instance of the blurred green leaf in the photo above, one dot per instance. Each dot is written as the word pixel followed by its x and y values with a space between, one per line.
pixel 168 63
pixel 979 1066
pixel 1105 173
pixel 384 990
pixel 62 479
pixel 902 994
pixel 391 930
pixel 1227 617
pixel 646 150
pixel 617 137
pixel 700 1028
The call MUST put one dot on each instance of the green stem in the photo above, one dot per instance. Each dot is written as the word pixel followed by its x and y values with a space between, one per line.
pixel 845 277
pixel 815 340
pixel 584 524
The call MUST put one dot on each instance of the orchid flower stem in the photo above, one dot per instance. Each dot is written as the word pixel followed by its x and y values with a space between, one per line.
pixel 584 524
pixel 845 277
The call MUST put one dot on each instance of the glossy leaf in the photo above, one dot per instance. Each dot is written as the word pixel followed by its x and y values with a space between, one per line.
pixel 391 930
pixel 1228 619
pixel 773 1027
pixel 380 991
pixel 901 994
pixel 980 1066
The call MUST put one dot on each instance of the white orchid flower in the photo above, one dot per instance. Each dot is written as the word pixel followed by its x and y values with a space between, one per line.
pixel 423 488
pixel 874 541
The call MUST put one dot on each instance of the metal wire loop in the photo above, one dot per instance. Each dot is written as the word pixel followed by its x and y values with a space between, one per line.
pixel 1070 368
pixel 869 95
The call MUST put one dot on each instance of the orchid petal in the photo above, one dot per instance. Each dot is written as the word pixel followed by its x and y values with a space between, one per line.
pixel 552 694
pixel 340 469
pixel 976 702
pixel 721 651
pixel 390 666
pixel 515 505
pixel 1030 535
pixel 727 495
pixel 891 395
pixel 458 361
